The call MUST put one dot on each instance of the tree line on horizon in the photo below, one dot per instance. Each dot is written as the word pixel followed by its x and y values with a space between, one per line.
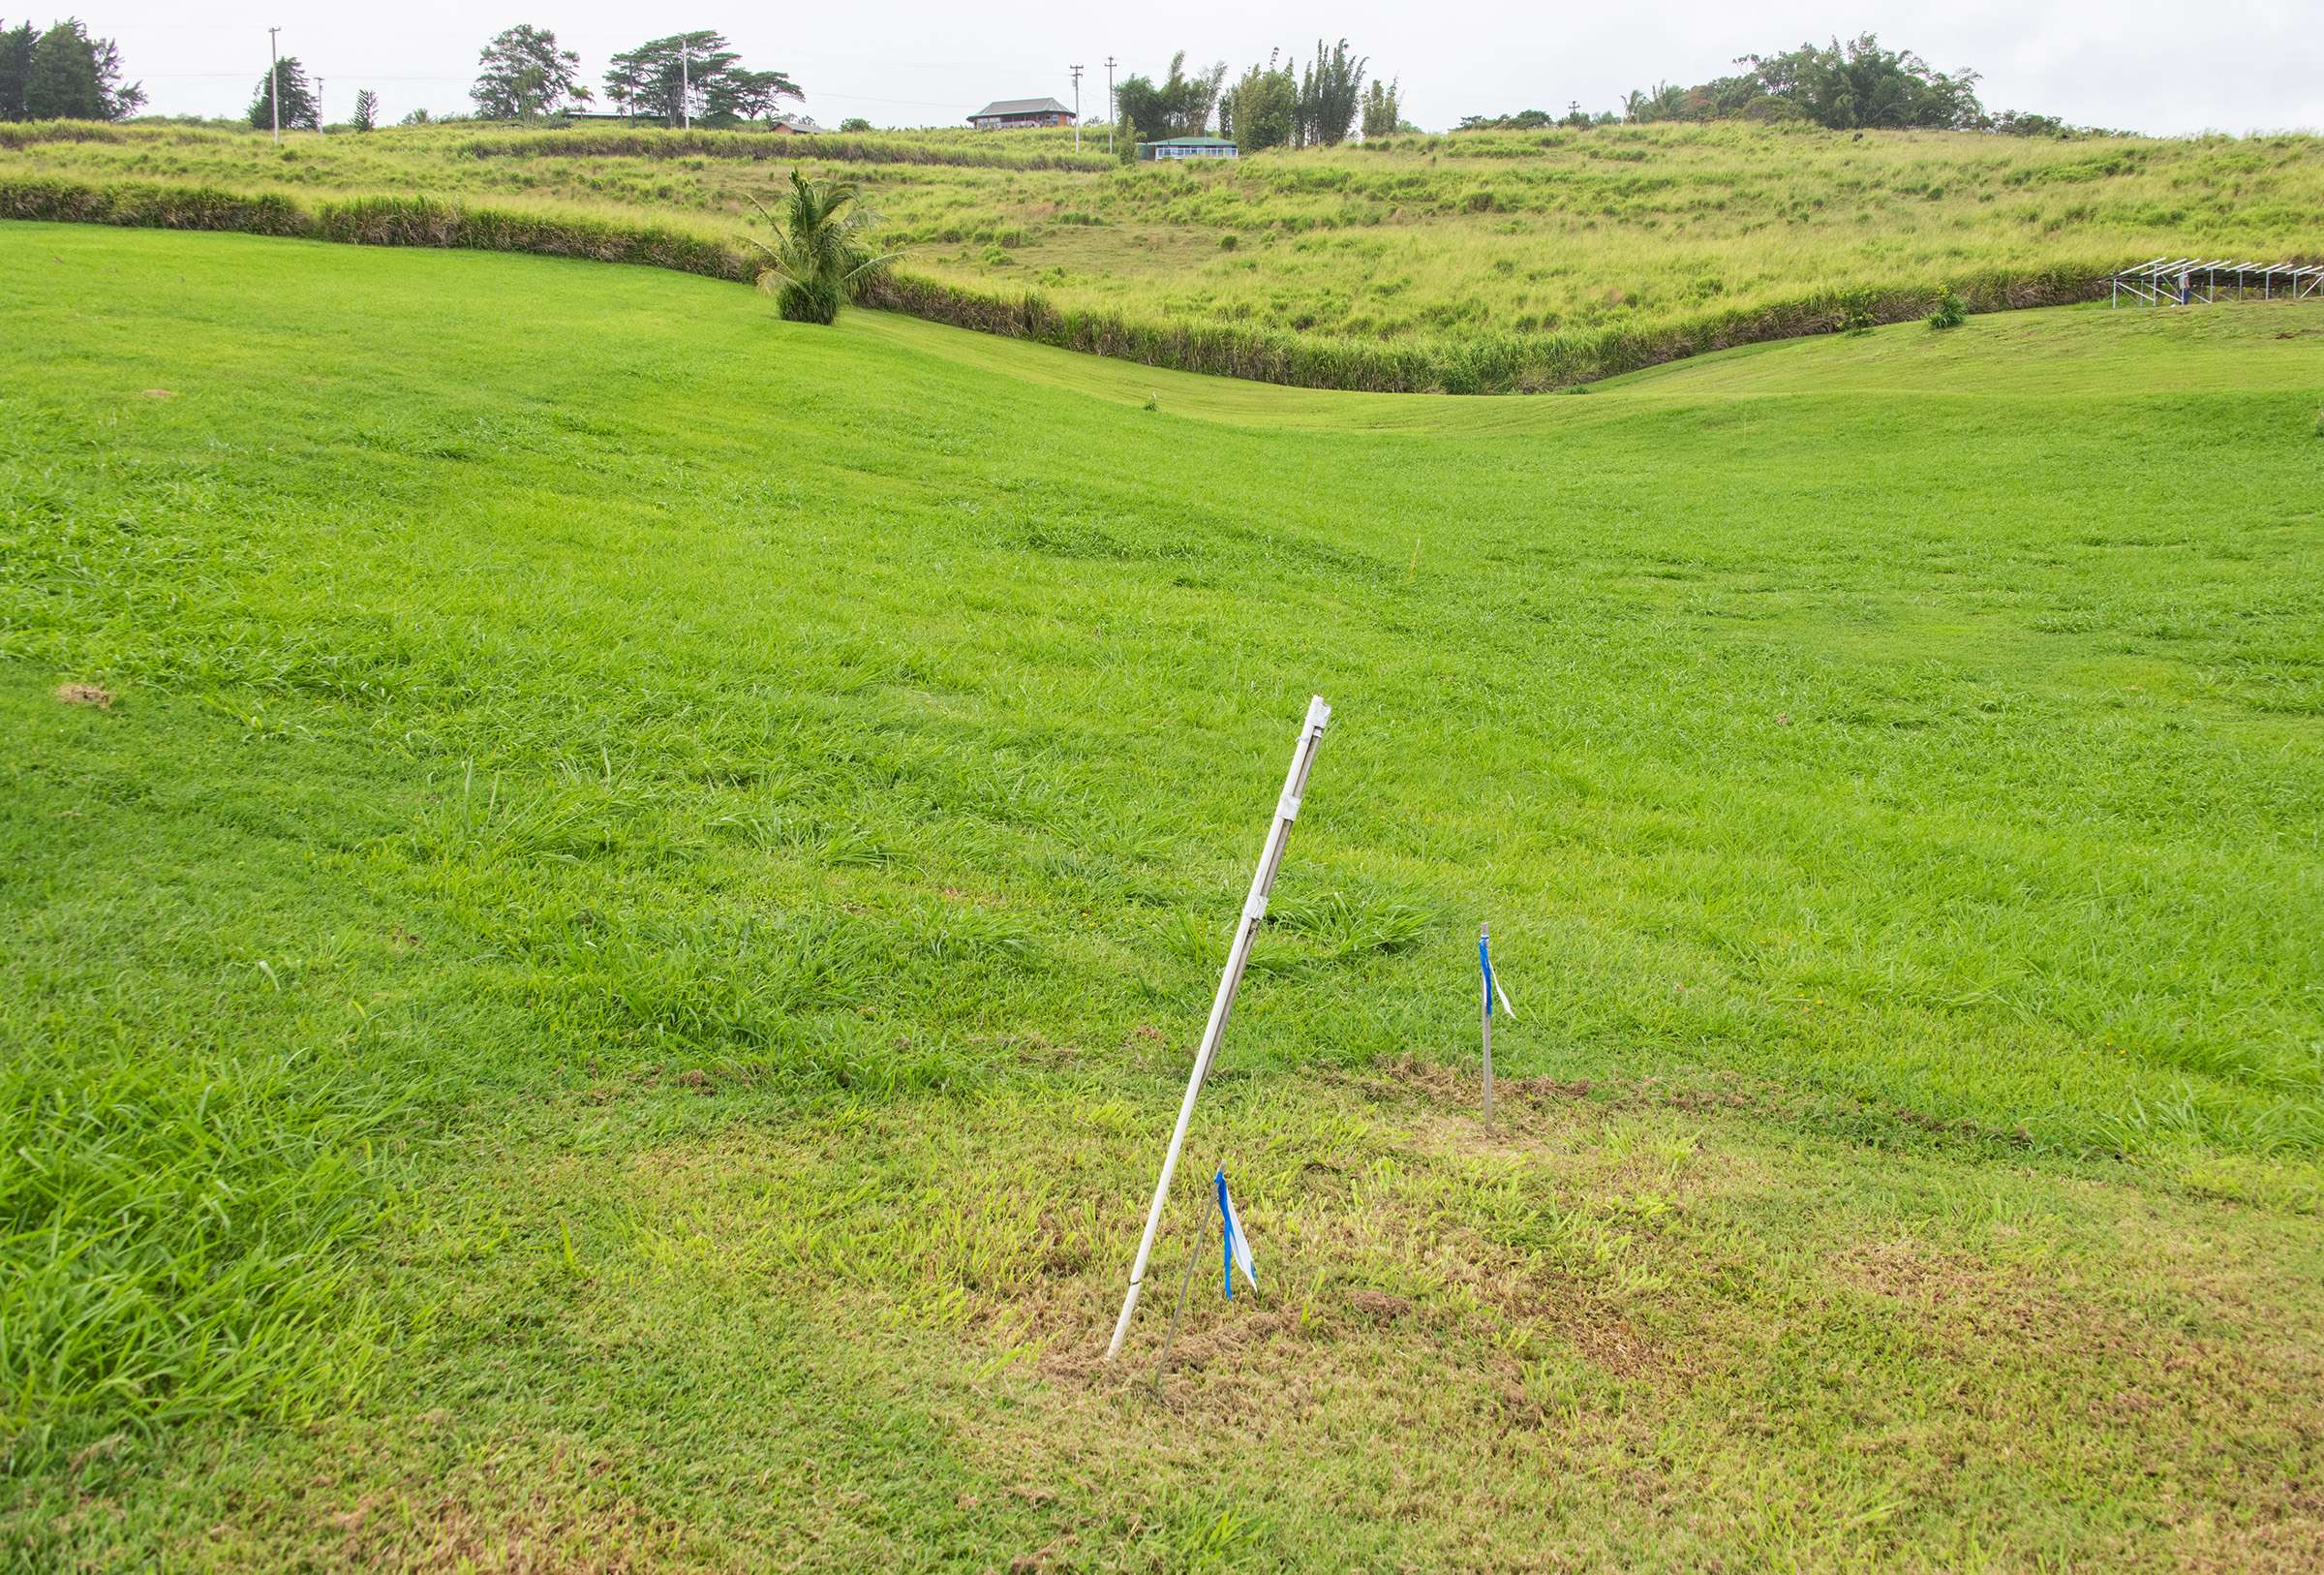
pixel 1270 106
pixel 695 74
pixel 1853 86
pixel 67 73
pixel 526 76
pixel 62 74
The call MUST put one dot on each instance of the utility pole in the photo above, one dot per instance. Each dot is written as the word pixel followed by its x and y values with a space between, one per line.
pixel 320 118
pixel 685 83
pixel 1076 109
pixel 1111 115
pixel 274 80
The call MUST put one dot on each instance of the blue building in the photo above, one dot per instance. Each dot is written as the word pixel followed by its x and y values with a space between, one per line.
pixel 1189 147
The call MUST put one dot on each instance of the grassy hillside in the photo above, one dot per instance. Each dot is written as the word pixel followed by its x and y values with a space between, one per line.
pixel 596 965
pixel 1484 263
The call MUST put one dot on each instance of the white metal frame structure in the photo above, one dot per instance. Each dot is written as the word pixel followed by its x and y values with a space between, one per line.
pixel 2189 281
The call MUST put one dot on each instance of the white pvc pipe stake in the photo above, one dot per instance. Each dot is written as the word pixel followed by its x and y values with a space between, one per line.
pixel 1254 909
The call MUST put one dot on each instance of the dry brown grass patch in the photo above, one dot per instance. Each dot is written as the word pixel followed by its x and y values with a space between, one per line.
pixel 1914 1271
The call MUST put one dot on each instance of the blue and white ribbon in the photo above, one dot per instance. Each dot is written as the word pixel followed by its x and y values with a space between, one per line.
pixel 1492 981
pixel 1236 1247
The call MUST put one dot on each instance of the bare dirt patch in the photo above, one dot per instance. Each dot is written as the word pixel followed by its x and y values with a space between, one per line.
pixel 1612 1342
pixel 1378 1306
pixel 85 694
pixel 1457 1084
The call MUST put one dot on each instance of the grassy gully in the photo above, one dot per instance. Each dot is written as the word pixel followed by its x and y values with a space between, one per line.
pixel 603 899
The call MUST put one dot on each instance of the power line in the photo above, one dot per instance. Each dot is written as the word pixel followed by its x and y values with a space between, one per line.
pixel 375 76
pixel 235 75
pixel 853 59
pixel 952 105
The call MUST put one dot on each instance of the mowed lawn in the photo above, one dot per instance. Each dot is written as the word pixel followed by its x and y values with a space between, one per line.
pixel 606 898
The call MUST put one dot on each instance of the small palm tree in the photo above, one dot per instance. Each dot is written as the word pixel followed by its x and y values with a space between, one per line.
pixel 820 259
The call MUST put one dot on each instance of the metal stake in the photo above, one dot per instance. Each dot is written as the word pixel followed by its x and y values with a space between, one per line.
pixel 1484 1016
pixel 1194 1255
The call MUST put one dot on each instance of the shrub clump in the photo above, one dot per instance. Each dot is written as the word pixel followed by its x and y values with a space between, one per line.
pixel 820 260
pixel 810 301
pixel 1950 312
pixel 557 142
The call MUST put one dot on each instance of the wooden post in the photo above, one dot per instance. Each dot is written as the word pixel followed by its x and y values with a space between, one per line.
pixel 1222 1006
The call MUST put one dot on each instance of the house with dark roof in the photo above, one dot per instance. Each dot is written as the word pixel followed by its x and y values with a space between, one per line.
pixel 1016 114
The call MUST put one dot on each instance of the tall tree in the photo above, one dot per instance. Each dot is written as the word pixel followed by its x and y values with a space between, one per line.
pixel 1847 86
pixel 1382 109
pixel 120 101
pixel 1662 102
pixel 300 112
pixel 16 68
pixel 1330 92
pixel 526 74
pixel 1193 98
pixel 1139 104
pixel 65 75
pixel 367 109
pixel 1179 106
pixel 1262 110
pixel 698 74
pixel 739 94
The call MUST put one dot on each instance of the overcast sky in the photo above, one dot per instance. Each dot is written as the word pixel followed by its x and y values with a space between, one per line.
pixel 2151 65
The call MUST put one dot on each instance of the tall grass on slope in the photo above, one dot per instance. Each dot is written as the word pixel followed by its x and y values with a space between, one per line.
pixel 1484 363
pixel 654 143
pixel 629 142
pixel 373 221
pixel 1481 363
pixel 24 134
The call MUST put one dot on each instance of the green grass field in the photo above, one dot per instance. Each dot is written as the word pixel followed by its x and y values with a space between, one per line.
pixel 604 985
pixel 1481 262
